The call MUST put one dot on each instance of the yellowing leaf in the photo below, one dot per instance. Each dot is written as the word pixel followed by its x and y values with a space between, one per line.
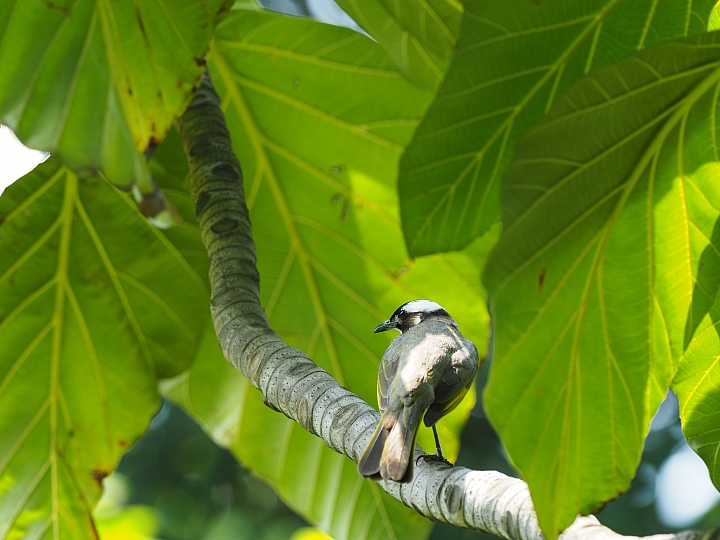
pixel 98 82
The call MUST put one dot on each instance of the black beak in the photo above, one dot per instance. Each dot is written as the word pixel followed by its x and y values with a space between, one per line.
pixel 387 325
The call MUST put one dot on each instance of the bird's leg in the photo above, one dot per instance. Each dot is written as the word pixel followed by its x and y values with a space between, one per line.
pixel 438 455
pixel 438 449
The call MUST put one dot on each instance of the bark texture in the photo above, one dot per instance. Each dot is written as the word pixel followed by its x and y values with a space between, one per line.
pixel 294 385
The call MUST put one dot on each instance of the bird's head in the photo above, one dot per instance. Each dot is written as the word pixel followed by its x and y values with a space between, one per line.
pixel 411 314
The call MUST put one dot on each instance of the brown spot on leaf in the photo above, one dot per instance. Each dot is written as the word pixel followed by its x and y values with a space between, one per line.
pixel 225 8
pixel 64 8
pixel 541 279
pixel 122 443
pixel 152 144
pixel 98 475
pixel 200 62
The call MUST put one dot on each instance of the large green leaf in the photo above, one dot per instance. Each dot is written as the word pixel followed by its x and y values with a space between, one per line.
pixel 318 117
pixel 97 82
pixel 591 287
pixel 691 212
pixel 419 36
pixel 514 59
pixel 90 317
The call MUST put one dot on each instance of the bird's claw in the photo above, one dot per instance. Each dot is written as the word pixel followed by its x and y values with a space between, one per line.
pixel 433 457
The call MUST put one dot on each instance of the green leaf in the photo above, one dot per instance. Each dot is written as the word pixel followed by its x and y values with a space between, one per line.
pixel 169 168
pixel 97 82
pixel 695 203
pixel 591 286
pixel 513 60
pixel 319 117
pixel 714 21
pixel 90 317
pixel 419 36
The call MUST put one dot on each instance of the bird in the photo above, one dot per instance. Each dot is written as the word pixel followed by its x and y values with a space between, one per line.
pixel 424 374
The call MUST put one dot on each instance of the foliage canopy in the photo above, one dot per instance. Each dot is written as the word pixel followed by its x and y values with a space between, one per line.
pixel 585 131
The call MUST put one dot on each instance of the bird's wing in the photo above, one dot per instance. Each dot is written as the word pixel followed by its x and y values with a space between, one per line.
pixel 386 374
pixel 455 383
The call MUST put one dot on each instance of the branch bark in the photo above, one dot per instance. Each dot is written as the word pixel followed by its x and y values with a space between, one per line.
pixel 294 385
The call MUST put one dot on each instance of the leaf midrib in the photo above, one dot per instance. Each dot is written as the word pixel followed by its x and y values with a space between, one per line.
pixel 310 59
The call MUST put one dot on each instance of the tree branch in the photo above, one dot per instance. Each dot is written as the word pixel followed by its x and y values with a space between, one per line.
pixel 293 384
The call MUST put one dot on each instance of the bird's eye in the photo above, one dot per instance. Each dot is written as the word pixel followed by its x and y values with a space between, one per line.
pixel 403 315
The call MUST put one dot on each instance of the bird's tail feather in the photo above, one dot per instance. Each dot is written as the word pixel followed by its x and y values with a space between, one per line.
pixel 396 462
pixel 369 462
pixel 390 450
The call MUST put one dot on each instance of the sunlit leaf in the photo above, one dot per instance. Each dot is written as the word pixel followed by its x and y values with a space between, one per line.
pixel 694 238
pixel 419 36
pixel 115 520
pixel 90 317
pixel 309 533
pixel 318 117
pixel 130 523
pixel 513 60
pixel 96 82
pixel 591 285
